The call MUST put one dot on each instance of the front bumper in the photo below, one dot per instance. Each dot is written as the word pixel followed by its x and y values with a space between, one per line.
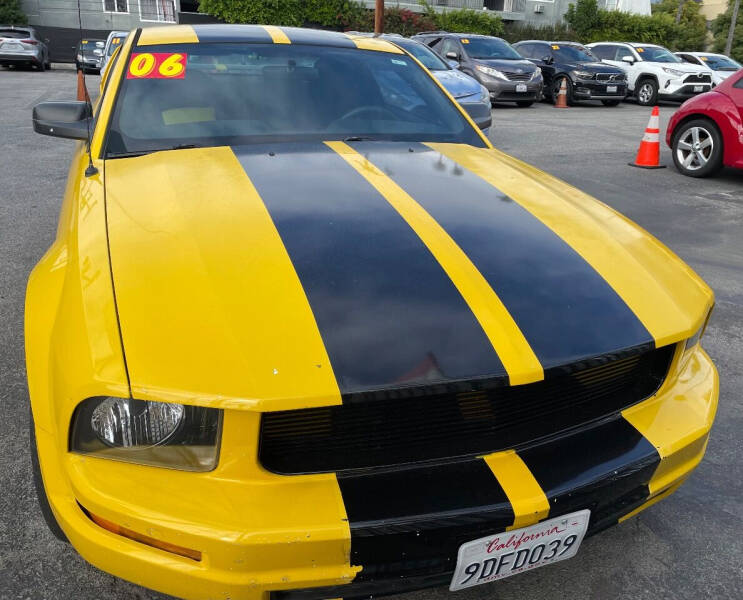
pixel 317 536
pixel 599 90
pixel 505 91
pixel 480 112
pixel 676 90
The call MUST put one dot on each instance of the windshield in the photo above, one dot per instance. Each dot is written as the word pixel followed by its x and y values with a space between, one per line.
pixel 424 54
pixel 215 94
pixel 115 42
pixel 482 47
pixel 572 54
pixel 14 33
pixel 657 54
pixel 90 46
pixel 720 63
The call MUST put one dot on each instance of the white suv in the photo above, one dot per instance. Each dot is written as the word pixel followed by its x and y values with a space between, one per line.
pixel 653 72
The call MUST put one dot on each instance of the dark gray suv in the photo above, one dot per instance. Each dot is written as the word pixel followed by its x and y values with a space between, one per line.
pixel 492 61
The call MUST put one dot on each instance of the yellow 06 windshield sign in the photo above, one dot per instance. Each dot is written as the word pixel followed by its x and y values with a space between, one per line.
pixel 157 65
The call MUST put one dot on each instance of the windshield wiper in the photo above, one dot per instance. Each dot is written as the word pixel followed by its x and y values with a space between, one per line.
pixel 143 152
pixel 359 138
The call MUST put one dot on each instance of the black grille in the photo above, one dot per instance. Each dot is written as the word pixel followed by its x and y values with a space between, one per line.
pixel 610 77
pixel 701 78
pixel 517 76
pixel 389 432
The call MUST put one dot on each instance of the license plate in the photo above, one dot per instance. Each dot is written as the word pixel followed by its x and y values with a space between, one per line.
pixel 520 87
pixel 698 88
pixel 611 89
pixel 505 554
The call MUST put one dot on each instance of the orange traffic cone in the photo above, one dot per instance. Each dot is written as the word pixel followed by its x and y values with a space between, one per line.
pixel 82 92
pixel 562 95
pixel 648 156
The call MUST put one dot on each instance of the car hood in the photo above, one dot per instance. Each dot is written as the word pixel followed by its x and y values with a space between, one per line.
pixel 458 84
pixel 591 67
pixel 507 65
pixel 683 67
pixel 291 275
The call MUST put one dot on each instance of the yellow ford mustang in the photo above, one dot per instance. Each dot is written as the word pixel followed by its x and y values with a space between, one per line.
pixel 305 334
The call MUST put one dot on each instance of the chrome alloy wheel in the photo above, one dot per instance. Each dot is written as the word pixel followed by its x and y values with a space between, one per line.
pixel 694 148
pixel 645 94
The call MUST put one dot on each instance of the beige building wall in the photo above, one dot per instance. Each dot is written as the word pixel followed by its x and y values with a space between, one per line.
pixel 711 8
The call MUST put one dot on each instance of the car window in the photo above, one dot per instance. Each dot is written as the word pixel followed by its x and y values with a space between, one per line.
pixel 570 53
pixel 739 84
pixel 450 45
pixel 489 48
pixel 427 57
pixel 115 43
pixel 215 94
pixel 604 52
pixel 525 50
pixel 14 33
pixel 656 54
pixel 689 58
pixel 720 63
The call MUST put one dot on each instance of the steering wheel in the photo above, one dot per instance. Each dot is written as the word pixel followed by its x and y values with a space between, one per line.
pixel 360 110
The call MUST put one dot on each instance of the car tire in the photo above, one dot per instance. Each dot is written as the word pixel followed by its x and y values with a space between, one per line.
pixel 524 103
pixel 610 102
pixel 647 92
pixel 556 83
pixel 41 66
pixel 46 509
pixel 707 158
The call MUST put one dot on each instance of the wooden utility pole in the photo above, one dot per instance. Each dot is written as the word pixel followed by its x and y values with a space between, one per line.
pixel 379 17
pixel 679 11
pixel 731 32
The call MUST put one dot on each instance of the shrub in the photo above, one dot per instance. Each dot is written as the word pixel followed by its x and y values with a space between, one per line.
pixel 691 32
pixel 515 32
pixel 273 12
pixel 11 13
pixel 465 20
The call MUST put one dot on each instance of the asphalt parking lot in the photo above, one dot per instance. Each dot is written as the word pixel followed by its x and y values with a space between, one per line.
pixel 689 546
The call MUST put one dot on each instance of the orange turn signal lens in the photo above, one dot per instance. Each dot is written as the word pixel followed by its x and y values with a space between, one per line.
pixel 144 539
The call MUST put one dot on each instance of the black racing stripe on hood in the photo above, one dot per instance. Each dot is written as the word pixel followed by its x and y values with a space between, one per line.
pixel 565 309
pixel 598 469
pixel 410 519
pixel 388 313
pixel 232 33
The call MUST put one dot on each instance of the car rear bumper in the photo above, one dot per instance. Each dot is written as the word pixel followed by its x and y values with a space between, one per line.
pixel 265 536
pixel 20 59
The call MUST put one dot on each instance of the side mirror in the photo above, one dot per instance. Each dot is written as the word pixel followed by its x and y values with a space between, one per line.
pixel 628 59
pixel 548 60
pixel 453 55
pixel 63 119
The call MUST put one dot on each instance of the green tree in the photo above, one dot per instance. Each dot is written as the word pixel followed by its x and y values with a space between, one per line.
pixel 691 30
pixel 584 17
pixel 266 12
pixel 720 29
pixel 11 13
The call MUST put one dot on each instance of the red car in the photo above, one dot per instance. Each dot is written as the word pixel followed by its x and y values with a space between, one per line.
pixel 706 132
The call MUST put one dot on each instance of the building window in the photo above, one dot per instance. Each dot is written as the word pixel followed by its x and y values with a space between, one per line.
pixel 116 6
pixel 162 11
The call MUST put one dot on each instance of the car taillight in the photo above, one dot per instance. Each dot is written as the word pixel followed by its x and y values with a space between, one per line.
pixel 33 42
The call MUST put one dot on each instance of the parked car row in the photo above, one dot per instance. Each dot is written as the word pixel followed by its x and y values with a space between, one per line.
pixel 605 71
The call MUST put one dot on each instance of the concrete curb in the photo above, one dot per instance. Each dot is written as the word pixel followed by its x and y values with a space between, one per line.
pixel 63 66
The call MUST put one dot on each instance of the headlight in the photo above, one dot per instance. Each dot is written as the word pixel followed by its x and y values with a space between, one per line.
pixel 484 94
pixel 537 73
pixel 150 433
pixel 582 75
pixel 673 72
pixel 692 342
pixel 491 72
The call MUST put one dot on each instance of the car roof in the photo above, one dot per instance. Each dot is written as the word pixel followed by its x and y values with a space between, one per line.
pixel 457 34
pixel 701 53
pixel 562 42
pixel 182 34
pixel 633 44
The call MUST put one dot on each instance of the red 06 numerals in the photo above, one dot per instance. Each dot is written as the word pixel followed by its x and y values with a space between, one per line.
pixel 157 65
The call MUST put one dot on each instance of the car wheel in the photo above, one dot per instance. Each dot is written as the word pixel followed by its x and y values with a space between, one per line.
pixel 46 509
pixel 610 102
pixel 41 66
pixel 525 103
pixel 647 92
pixel 697 148
pixel 556 88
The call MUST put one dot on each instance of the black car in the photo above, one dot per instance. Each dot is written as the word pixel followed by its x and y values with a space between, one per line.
pixel 490 60
pixel 88 54
pixel 586 77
